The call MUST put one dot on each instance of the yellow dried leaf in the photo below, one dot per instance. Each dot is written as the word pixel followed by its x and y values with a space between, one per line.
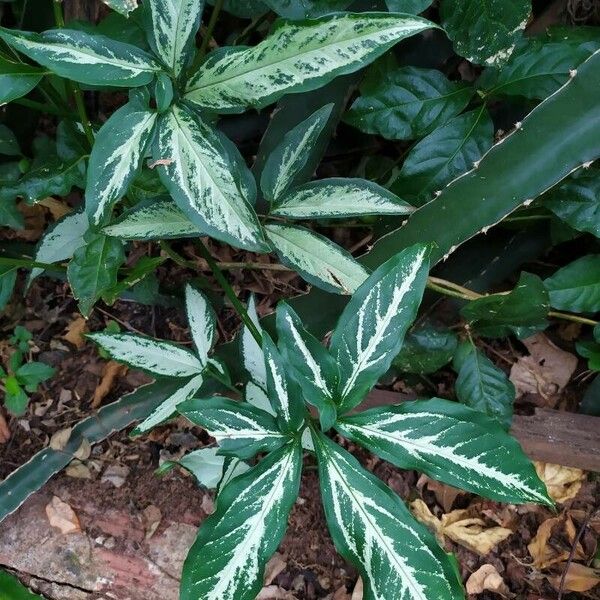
pixel 487 578
pixel 59 440
pixel 62 516
pixel 544 554
pixel 579 578
pixel 111 371
pixel 563 483
pixel 75 331
pixel 421 512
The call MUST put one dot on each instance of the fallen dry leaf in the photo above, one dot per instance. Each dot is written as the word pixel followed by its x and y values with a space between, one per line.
pixel 152 516
pixel 546 371
pixel 84 451
pixel 563 483
pixel 78 470
pixel 465 527
pixel 444 494
pixel 59 440
pixel 116 475
pixel 111 371
pixel 341 594
pixel 544 553
pixel 487 578
pixel 357 593
pixel 62 516
pixel 57 208
pixel 74 332
pixel 274 567
pixel 579 578
pixel 4 430
pixel 274 592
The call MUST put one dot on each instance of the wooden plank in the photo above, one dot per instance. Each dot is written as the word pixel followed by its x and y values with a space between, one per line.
pixel 553 436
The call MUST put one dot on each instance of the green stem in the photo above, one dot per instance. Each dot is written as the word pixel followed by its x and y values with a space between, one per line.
pixel 74 89
pixel 175 256
pixel 208 33
pixel 30 264
pixel 237 305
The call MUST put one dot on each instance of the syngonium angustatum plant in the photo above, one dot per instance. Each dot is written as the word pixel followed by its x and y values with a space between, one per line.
pixel 300 391
pixel 174 100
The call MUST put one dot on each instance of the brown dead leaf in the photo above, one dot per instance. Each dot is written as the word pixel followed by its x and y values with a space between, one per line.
pixel 563 483
pixel 545 553
pixel 57 208
pixel 78 470
pixel 4 430
pixel 152 516
pixel 74 332
pixel 274 592
pixel 487 578
pixel 84 451
pixel 444 494
pixel 579 578
pixel 357 593
pixel 62 516
pixel 59 440
pixel 546 371
pixel 111 371
pixel 465 527
pixel 274 567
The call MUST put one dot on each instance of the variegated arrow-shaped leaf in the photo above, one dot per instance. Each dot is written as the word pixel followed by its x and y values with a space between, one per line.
pixel 117 157
pixel 311 364
pixel 153 219
pixel 284 393
pixel 228 559
pixel 123 7
pixel 372 529
pixel 316 258
pixel 83 57
pixel 154 356
pixel 203 175
pixel 449 442
pixel 340 198
pixel 211 469
pixel 174 27
pixel 240 429
pixel 287 163
pixel 169 407
pixel 252 354
pixel 370 332
pixel 297 57
pixel 202 319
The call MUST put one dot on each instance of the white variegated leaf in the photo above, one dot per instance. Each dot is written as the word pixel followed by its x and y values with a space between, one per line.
pixel 340 198
pixel 317 259
pixel 203 175
pixel 83 57
pixel 154 356
pixel 372 529
pixel 290 158
pixel 296 57
pixel 211 469
pixel 228 559
pixel 60 241
pixel 452 443
pixel 169 407
pixel 123 7
pixel 153 219
pixel 240 429
pixel 201 318
pixel 256 396
pixel 116 158
pixel 370 331
pixel 252 353
pixel 174 27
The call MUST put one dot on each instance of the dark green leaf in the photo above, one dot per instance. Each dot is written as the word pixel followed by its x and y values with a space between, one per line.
pixel 245 9
pixel 408 103
pixel 15 399
pixel 444 154
pixel 590 405
pixel 17 79
pixel 591 351
pixel 142 269
pixel 11 587
pixel 413 7
pixel 34 373
pixel 523 311
pixel 304 9
pixel 425 350
pixel 94 268
pixel 9 146
pixel 576 287
pixel 8 278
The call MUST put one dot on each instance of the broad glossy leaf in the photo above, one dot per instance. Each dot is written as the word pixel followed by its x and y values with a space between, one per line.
pixel 590 350
pixel 499 315
pixel 169 407
pixel 340 198
pixel 60 241
pixel 444 154
pixel 90 59
pixel 286 165
pixel 425 350
pixel 202 320
pixel 482 385
pixel 153 219
pixel 14 590
pixel 316 258
pixel 283 392
pixel 228 559
pixel 173 30
pixel 209 468
pixel 8 278
pixel 372 529
pixel 252 354
pixel 297 57
pixel 577 201
pixel 203 176
pixel 240 429
pixel 408 103
pixel 304 9
pixel 537 68
pixel 17 79
pixel 124 7
pixel 117 157
pixel 408 6
pixel 139 281
pixel 370 331
pixel 94 269
pixel 452 443
pixel 485 31
pixel 576 287
pixel 312 366
pixel 9 146
pixel 153 356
